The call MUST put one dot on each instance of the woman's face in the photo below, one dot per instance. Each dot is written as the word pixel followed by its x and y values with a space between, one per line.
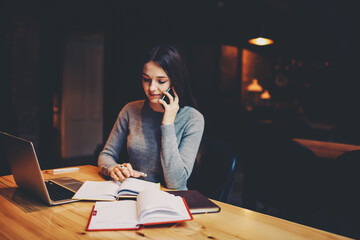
pixel 155 82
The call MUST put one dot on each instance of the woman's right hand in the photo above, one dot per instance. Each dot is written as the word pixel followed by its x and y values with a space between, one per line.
pixel 171 109
pixel 123 171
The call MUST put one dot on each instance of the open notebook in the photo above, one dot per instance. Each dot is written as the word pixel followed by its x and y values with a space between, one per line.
pixel 112 190
pixel 152 207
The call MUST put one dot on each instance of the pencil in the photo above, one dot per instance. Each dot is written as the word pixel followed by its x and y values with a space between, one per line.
pixel 141 173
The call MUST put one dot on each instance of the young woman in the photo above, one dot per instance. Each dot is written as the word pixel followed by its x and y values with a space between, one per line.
pixel 162 138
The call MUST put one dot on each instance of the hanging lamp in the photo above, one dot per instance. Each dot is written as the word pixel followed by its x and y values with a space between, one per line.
pixel 261 40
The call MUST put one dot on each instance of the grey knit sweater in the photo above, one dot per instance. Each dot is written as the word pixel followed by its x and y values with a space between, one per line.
pixel 165 152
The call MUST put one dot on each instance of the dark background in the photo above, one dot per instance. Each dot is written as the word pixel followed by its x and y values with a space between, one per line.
pixel 319 33
pixel 33 36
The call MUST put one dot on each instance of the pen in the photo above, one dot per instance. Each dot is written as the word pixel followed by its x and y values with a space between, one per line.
pixel 141 173
pixel 65 170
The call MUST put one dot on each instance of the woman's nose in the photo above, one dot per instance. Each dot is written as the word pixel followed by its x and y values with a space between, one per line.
pixel 153 86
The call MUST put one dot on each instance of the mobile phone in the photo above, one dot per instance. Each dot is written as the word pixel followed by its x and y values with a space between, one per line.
pixel 165 98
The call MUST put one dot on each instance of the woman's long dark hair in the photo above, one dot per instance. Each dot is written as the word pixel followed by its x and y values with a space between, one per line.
pixel 171 60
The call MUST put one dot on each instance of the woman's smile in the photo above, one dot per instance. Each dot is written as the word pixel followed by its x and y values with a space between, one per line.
pixel 155 94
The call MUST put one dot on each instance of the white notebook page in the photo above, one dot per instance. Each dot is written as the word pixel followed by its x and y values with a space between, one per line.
pixel 160 206
pixel 106 190
pixel 137 185
pixel 114 215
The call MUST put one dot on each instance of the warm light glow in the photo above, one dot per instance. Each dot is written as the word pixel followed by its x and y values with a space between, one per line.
pixel 260 41
pixel 254 86
pixel 265 95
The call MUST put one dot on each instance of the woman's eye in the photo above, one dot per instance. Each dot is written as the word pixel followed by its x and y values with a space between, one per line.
pixel 146 79
pixel 162 81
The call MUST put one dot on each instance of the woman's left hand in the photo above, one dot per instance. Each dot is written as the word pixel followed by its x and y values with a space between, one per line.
pixel 171 109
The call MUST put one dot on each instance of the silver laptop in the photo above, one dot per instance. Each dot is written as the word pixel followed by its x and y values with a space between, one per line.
pixel 22 159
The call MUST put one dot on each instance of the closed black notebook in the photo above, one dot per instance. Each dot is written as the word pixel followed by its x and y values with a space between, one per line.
pixel 197 202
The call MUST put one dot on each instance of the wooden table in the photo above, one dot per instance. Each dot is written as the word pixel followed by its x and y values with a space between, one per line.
pixel 22 217
pixel 325 149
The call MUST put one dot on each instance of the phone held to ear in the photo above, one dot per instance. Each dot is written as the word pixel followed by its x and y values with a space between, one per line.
pixel 165 98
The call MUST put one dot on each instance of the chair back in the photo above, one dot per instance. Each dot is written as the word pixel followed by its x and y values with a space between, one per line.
pixel 281 175
pixel 213 173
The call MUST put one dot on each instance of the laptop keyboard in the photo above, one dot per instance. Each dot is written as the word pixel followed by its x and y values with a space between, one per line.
pixel 57 192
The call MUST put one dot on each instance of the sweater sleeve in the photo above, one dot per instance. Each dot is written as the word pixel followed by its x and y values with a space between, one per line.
pixel 178 160
pixel 109 156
